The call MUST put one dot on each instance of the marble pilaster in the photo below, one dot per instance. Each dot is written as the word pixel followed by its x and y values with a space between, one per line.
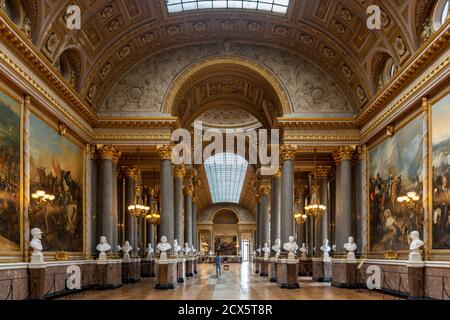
pixel 287 192
pixel 166 193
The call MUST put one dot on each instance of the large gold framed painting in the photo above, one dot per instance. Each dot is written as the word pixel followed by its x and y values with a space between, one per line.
pixel 56 173
pixel 9 174
pixel 395 168
pixel 441 173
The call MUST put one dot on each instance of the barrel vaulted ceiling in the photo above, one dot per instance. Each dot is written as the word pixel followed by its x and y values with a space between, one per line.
pixel 117 35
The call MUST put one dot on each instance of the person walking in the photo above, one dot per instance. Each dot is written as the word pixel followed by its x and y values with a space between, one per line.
pixel 218 265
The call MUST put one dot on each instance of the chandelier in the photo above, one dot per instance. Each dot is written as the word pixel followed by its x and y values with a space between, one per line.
pixel 153 215
pixel 300 217
pixel 411 202
pixel 315 208
pixel 138 209
pixel 42 198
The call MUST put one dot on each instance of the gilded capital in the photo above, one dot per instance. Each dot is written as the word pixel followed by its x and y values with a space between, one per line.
pixel 179 171
pixel 288 152
pixel 323 171
pixel 425 104
pixel 188 190
pixel 116 157
pixel 278 173
pixel 91 151
pixel 27 100
pixel 132 172
pixel 165 151
pixel 346 153
pixel 264 190
pixel 106 152
pixel 337 157
pixel 362 152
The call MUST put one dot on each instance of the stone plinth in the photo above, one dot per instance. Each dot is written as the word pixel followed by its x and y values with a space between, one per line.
pixel 322 270
pixel 264 268
pixel 273 270
pixel 190 267
pixel 131 271
pixel 37 281
pixel 166 274
pixel 305 268
pixel 416 283
pixel 109 274
pixel 287 274
pixel 195 265
pixel 181 270
pixel 345 273
pixel 257 264
pixel 148 268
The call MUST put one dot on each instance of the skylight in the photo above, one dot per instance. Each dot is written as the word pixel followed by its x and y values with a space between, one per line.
pixel 276 6
pixel 226 174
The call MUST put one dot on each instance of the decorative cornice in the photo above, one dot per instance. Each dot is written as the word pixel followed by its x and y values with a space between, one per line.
pixel 138 123
pixel 315 123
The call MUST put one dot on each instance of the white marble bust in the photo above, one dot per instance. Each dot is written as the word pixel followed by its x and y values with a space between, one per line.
pixel 176 247
pixel 351 247
pixel 103 247
pixel 291 247
pixel 150 251
pixel 259 250
pixel 415 247
pixel 266 251
pixel 186 249
pixel 211 253
pixel 277 248
pixel 126 249
pixel 304 250
pixel 325 248
pixel 163 246
pixel 36 244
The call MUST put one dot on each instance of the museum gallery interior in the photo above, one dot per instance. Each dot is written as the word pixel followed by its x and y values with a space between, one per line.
pixel 348 99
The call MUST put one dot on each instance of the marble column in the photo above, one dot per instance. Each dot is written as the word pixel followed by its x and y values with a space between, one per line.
pixel 92 194
pixel 426 142
pixel 188 193
pixel 151 228
pixel 265 214
pixel 344 214
pixel 194 222
pixel 287 192
pixel 130 199
pixel 179 173
pixel 107 192
pixel 258 220
pixel 362 228
pixel 303 227
pixel 166 193
pixel 323 226
pixel 337 186
pixel 115 237
pixel 275 208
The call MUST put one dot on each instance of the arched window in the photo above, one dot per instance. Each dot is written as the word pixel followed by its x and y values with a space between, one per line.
pixel 276 6
pixel 440 13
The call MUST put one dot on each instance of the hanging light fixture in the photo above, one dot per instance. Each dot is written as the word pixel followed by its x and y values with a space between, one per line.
pixel 153 216
pixel 300 217
pixel 315 208
pixel 138 209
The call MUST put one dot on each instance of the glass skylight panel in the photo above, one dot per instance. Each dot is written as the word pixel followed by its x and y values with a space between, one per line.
pixel 226 174
pixel 276 6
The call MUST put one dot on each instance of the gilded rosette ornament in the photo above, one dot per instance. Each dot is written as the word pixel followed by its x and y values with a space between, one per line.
pixel 165 151
pixel 288 152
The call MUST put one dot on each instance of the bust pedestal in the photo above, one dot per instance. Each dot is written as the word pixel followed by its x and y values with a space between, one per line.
pixel 195 265
pixel 321 269
pixel 273 269
pixel 190 267
pixel 181 270
pixel 109 274
pixel 166 274
pixel 416 279
pixel 345 273
pixel 37 273
pixel 287 274
pixel 264 267
pixel 148 268
pixel 131 271
pixel 257 264
pixel 305 267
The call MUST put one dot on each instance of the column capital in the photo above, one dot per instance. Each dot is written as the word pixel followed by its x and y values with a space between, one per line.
pixel 425 104
pixel 362 152
pixel 27 100
pixel 188 190
pixel 132 172
pixel 264 190
pixel 288 152
pixel 165 151
pixel 346 153
pixel 323 171
pixel 116 157
pixel 91 151
pixel 337 157
pixel 179 171
pixel 106 152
